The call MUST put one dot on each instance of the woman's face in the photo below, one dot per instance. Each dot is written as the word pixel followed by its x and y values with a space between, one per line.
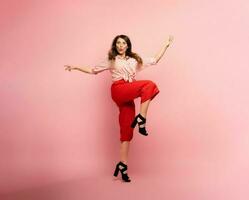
pixel 121 46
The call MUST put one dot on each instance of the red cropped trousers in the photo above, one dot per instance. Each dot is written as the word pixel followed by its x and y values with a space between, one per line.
pixel 123 94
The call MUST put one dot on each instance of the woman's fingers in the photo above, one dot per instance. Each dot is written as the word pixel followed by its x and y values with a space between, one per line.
pixel 67 67
pixel 171 38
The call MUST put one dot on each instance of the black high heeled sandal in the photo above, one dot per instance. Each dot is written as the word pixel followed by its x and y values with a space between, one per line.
pixel 125 177
pixel 142 130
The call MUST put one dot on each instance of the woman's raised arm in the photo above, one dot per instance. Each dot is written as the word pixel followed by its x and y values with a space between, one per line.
pixel 165 46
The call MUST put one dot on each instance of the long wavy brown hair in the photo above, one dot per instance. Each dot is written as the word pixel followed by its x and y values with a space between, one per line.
pixel 113 51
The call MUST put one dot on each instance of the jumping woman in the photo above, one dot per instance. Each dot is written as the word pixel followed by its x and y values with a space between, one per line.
pixel 123 65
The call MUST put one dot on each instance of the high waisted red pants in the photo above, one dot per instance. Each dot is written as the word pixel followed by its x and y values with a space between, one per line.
pixel 123 94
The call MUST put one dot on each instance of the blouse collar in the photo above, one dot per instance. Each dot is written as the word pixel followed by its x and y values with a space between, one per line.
pixel 125 58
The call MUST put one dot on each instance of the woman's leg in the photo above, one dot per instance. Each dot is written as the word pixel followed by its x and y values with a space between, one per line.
pixel 124 149
pixel 146 89
pixel 126 115
pixel 144 108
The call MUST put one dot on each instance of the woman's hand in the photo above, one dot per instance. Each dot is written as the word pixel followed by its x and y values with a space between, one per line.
pixel 68 67
pixel 170 40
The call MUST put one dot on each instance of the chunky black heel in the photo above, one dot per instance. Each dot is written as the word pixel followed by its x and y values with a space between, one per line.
pixel 142 130
pixel 124 167
pixel 116 171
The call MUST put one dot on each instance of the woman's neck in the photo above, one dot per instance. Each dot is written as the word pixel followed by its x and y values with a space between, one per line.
pixel 122 55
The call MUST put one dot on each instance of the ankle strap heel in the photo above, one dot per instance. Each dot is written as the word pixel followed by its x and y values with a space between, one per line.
pixel 122 168
pixel 141 130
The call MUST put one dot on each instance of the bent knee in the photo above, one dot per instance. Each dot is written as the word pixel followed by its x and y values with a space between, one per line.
pixel 152 83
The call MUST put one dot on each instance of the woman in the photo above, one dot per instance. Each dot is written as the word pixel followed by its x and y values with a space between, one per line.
pixel 123 65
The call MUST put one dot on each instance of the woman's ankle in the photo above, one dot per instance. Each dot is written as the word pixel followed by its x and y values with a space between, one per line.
pixel 143 114
pixel 124 161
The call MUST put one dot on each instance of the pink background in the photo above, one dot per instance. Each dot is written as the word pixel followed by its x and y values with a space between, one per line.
pixel 59 130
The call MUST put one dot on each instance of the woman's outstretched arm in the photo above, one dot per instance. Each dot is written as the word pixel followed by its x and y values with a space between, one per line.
pixel 85 69
pixel 165 46
pixel 100 67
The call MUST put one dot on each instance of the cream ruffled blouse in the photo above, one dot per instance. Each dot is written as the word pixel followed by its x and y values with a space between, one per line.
pixel 123 68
